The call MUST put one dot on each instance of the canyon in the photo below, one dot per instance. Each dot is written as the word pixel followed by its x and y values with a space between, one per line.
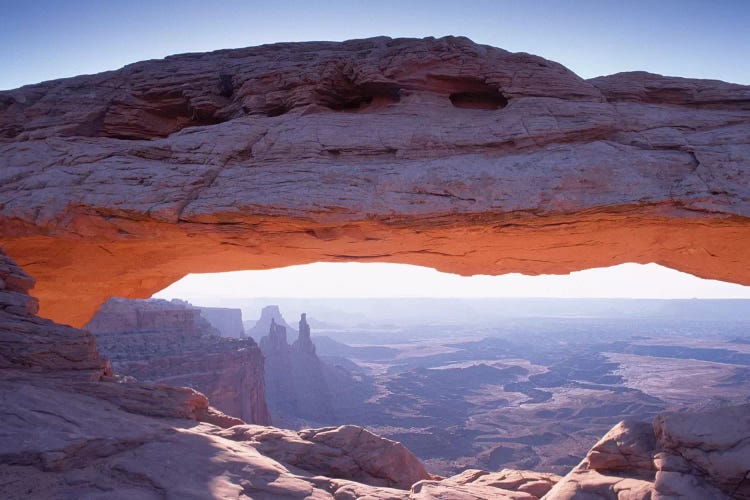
pixel 438 152
pixel 532 392
pixel 71 429
pixel 172 343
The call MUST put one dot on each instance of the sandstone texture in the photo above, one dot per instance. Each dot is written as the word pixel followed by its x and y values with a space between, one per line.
pixel 31 342
pixel 171 343
pixel 474 484
pixel 439 152
pixel 90 448
pixel 35 351
pixel 683 455
pixel 347 452
pixel 443 153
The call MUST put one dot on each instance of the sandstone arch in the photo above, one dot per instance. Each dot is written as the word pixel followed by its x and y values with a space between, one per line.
pixel 122 182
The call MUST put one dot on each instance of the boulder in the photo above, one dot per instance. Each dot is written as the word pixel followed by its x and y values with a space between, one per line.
pixel 693 455
pixel 713 444
pixel 346 452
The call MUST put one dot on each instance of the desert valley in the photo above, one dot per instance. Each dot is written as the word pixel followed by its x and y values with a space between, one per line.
pixel 529 386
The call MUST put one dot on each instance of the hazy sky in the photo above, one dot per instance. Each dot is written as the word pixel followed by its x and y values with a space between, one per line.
pixel 354 279
pixel 46 39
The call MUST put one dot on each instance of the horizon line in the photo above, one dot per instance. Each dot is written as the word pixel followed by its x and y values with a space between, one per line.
pixel 455 298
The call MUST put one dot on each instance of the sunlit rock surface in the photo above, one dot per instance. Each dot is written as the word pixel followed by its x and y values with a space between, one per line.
pixel 348 452
pixel 69 429
pixel 444 153
pixel 476 484
pixel 683 455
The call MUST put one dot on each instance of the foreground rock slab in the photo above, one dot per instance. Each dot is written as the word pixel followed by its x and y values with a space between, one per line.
pixel 683 455
pixel 347 452
pixel 69 429
pixel 479 484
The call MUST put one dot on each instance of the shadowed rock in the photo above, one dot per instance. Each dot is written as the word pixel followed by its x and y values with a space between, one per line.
pixel 164 342
pixel 346 452
pixel 296 384
pixel 442 152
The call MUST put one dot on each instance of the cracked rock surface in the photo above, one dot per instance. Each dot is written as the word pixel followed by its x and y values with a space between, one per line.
pixel 347 451
pixel 696 455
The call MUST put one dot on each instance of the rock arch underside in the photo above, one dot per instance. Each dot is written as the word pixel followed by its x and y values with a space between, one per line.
pixel 438 152
pixel 122 182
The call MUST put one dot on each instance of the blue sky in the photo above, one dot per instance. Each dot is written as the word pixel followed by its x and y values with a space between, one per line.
pixel 48 39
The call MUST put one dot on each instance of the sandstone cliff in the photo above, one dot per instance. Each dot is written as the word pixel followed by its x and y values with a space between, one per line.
pixel 439 152
pixel 171 343
pixel 37 352
pixel 262 326
pixel 297 389
pixel 70 430
pixel 228 321
pixel 29 341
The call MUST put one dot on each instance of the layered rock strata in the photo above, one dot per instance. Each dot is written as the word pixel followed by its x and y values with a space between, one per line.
pixel 438 152
pixel 171 343
pixel 442 153
pixel 36 352
pixel 227 320
pixel 32 342
pixel 70 430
